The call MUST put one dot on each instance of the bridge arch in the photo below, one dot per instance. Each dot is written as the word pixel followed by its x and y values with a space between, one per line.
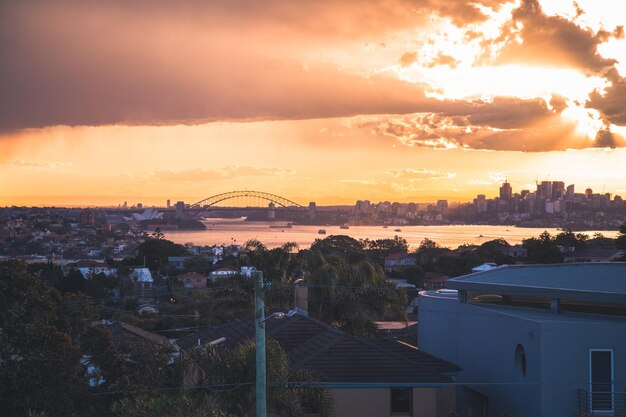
pixel 276 199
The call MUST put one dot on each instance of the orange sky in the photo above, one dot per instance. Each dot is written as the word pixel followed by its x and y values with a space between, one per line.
pixel 400 100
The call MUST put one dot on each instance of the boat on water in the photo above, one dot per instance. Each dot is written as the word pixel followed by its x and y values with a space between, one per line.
pixel 384 227
pixel 344 227
pixel 322 231
pixel 397 230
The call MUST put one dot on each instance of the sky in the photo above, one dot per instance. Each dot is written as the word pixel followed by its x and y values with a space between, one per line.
pixel 333 101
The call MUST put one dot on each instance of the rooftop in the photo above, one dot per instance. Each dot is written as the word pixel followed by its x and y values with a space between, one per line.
pixel 338 357
pixel 593 282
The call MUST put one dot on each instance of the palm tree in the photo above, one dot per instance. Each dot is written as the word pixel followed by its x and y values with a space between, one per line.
pixel 352 295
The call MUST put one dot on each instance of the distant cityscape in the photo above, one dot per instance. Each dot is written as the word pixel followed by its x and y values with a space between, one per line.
pixel 552 204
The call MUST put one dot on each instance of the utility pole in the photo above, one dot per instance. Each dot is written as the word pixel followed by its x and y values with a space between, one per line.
pixel 259 316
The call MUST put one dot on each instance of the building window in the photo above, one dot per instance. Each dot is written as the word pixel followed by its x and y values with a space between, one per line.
pixel 601 379
pixel 401 400
pixel 520 360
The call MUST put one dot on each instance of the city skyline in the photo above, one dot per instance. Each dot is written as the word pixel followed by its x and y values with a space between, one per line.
pixel 332 103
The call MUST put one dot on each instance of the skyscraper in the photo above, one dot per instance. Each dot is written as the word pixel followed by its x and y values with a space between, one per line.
pixel 506 191
pixel 558 190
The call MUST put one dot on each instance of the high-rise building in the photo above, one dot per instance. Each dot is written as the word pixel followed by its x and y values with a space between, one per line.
pixel 480 203
pixel 569 194
pixel 558 190
pixel 442 206
pixel 506 191
pixel 544 190
pixel 588 193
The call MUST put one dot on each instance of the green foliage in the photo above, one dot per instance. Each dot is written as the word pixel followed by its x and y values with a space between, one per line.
pixel 543 249
pixel 230 374
pixel 156 251
pixel 570 239
pixel 132 365
pixel 620 240
pixel 175 405
pixel 352 295
pixel 41 368
pixel 337 245
pixel 380 248
pixel 426 243
pixel 492 249
pixel 73 282
pixel 199 264
pixel 277 264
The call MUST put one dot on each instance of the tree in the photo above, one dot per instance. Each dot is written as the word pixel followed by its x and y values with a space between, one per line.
pixel 158 234
pixel 290 392
pixel 156 251
pixel 426 243
pixel 166 406
pixel 620 240
pixel 570 239
pixel 543 250
pixel 73 282
pixel 41 368
pixel 199 264
pixel 352 295
pixel 337 245
pixel 380 248
pixel 491 249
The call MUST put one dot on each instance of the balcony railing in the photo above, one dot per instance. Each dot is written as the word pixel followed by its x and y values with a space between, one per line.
pixel 601 403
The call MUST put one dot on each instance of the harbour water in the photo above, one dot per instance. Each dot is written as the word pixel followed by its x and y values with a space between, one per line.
pixel 238 231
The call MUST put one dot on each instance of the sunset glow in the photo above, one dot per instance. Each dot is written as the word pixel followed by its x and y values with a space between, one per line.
pixel 107 102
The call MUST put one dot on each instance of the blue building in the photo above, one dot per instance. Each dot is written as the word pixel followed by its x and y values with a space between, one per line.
pixel 533 340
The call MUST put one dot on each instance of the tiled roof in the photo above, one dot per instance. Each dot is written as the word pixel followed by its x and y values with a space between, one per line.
pixel 396 256
pixel 191 275
pixel 123 332
pixel 336 356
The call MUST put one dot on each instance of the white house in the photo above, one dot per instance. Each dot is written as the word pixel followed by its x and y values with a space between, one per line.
pixel 88 272
pixel 533 340
pixel 222 273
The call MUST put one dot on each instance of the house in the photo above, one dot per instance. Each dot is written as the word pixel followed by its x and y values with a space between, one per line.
pixel 377 377
pixel 515 251
pixel 192 280
pixel 434 281
pixel 143 281
pixel 484 267
pixel 142 276
pixel 398 260
pixel 222 273
pixel 247 271
pixel 178 262
pixel 89 272
pixel 533 340
pixel 596 250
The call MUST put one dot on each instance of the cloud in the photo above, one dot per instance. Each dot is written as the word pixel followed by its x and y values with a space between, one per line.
pixel 532 37
pixel 231 172
pixel 498 127
pixel 443 59
pixel 40 166
pixel 408 58
pixel 154 63
pixel 421 174
pixel 612 102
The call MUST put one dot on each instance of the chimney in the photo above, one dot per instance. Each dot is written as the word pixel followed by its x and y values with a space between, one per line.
pixel 301 297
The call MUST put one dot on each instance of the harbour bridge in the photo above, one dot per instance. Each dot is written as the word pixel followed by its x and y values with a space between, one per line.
pixel 247 198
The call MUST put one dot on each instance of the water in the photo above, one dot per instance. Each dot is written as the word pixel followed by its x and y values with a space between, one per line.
pixel 238 231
